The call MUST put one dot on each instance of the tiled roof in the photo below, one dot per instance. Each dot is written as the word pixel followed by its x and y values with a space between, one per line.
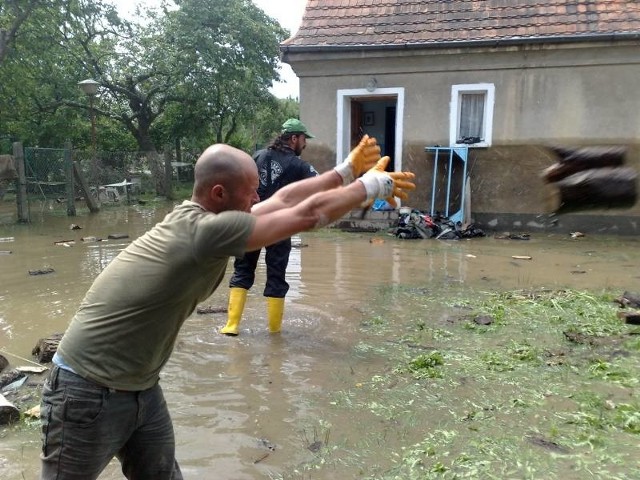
pixel 344 23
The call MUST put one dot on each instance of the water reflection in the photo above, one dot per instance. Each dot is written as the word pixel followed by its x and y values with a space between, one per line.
pixel 98 256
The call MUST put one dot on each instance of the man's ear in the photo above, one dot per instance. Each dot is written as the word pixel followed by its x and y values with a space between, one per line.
pixel 218 193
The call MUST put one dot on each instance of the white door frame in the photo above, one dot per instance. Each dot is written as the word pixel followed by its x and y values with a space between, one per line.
pixel 343 134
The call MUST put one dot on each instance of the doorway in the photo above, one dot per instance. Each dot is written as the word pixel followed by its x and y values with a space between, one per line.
pixel 378 114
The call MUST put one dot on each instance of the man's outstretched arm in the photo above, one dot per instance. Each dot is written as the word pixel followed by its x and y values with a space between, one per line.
pixel 362 158
pixel 323 208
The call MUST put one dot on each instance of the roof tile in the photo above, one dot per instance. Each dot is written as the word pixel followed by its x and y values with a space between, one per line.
pixel 381 22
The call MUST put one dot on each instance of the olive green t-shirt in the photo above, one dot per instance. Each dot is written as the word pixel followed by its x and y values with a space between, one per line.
pixel 127 324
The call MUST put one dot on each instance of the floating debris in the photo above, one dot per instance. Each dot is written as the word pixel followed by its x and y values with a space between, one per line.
pixel 513 236
pixel 260 458
pixel 629 299
pixel 91 239
pixel 521 257
pixel 483 320
pixel 5 252
pixel 117 236
pixel 632 318
pixel 41 271
pixel 73 226
pixel 33 412
pixel 65 243
pixel 315 446
pixel 16 384
pixel 548 444
pixel 263 442
pixel 211 309
pixel 7 239
pixel 32 369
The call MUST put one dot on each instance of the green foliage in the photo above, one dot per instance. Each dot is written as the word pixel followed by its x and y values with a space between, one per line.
pixel 424 365
pixel 198 73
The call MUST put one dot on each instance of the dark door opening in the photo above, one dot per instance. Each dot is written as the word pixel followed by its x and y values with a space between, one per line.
pixel 376 117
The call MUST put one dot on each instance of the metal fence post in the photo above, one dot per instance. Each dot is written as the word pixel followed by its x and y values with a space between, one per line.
pixel 21 184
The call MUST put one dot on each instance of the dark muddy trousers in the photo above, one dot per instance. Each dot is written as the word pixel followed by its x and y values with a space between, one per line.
pixel 85 425
pixel 276 258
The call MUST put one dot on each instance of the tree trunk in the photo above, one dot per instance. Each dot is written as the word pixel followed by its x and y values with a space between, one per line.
pixel 91 202
pixel 8 412
pixel 47 347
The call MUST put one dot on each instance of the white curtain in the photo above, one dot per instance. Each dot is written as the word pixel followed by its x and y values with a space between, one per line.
pixel 471 115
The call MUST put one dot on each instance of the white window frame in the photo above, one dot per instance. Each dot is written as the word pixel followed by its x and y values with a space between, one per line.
pixel 343 120
pixel 488 89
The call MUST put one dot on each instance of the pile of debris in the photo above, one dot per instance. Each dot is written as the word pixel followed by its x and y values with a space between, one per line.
pixel 19 391
pixel 21 386
pixel 416 224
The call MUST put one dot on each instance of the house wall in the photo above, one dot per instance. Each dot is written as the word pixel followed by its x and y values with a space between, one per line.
pixel 569 95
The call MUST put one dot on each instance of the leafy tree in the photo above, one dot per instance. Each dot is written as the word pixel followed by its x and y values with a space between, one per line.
pixel 197 71
pixel 226 54
pixel 13 14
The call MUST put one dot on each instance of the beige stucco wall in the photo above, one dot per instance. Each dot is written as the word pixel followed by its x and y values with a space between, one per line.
pixel 584 94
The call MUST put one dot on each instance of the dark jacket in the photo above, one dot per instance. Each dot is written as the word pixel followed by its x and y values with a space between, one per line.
pixel 279 168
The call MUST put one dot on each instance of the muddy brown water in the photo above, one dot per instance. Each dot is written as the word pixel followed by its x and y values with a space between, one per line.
pixel 248 407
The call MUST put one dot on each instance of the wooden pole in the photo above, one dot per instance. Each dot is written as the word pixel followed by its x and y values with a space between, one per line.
pixel 168 173
pixel 21 185
pixel 94 148
pixel 70 185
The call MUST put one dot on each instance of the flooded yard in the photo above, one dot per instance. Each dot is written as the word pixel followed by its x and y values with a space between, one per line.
pixel 380 370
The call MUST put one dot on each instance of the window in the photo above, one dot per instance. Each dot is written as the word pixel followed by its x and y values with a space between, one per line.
pixel 471 116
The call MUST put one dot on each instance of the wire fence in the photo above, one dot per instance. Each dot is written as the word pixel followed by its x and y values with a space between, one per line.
pixel 110 178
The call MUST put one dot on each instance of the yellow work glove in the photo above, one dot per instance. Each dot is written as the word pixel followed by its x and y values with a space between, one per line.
pixel 362 158
pixel 386 185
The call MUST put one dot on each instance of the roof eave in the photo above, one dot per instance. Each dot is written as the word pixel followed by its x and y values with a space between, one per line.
pixel 600 37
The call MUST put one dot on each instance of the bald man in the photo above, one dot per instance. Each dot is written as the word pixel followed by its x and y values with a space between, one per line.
pixel 102 398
